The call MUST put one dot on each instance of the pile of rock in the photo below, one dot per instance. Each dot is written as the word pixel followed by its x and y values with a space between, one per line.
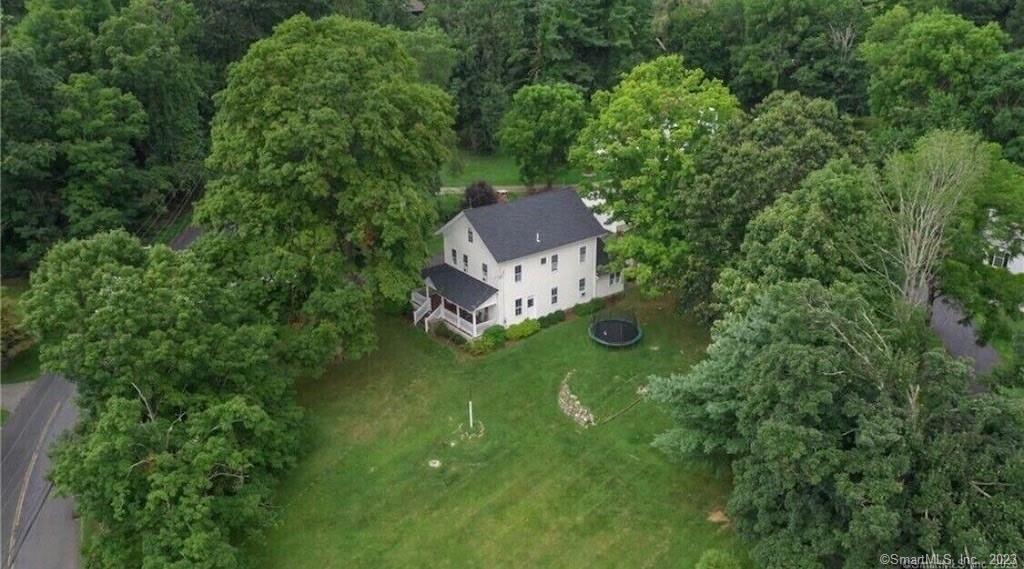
pixel 571 406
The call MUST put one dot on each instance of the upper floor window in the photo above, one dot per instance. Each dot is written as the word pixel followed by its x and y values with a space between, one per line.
pixel 483 269
pixel 455 257
pixel 554 295
pixel 1000 259
pixel 583 287
pixel 465 262
pixel 554 263
pixel 519 307
pixel 518 272
pixel 583 254
pixel 543 261
pixel 469 234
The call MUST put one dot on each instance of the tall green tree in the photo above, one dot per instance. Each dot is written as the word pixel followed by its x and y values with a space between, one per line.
pixel 828 230
pixel 999 104
pixel 62 33
pixel 506 45
pixel 186 416
pixel 589 42
pixel 540 126
pixel 836 418
pixel 757 46
pixel 491 39
pixel 753 161
pixel 323 163
pixel 32 210
pixel 927 68
pixel 100 129
pixel 641 148
pixel 148 49
pixel 808 46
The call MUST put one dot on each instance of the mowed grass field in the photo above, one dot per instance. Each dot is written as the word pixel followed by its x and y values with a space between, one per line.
pixel 534 490
pixel 497 169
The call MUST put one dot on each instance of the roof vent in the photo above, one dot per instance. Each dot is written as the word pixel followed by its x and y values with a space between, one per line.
pixel 538 237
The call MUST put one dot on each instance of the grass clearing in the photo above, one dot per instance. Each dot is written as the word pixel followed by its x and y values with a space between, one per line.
pixel 534 490
pixel 497 169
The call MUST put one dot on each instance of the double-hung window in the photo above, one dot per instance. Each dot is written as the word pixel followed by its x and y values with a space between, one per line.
pixel 518 272
pixel 583 287
pixel 469 234
pixel 455 257
pixel 583 254
pixel 554 263
pixel 465 263
pixel 1000 259
pixel 483 270
pixel 554 295
pixel 519 307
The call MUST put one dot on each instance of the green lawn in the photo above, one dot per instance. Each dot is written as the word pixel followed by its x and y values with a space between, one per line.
pixel 497 169
pixel 534 491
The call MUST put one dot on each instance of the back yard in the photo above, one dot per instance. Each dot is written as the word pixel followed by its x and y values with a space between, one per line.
pixel 534 490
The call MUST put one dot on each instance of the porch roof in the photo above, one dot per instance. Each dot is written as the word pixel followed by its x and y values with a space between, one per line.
pixel 458 287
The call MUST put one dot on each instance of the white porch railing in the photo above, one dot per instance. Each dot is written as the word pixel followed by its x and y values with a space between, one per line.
pixel 467 327
pixel 420 312
pixel 418 297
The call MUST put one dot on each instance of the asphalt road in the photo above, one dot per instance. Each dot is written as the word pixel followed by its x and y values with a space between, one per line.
pixel 37 529
pixel 960 339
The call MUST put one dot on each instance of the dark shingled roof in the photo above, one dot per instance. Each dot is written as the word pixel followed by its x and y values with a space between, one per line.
pixel 458 287
pixel 510 229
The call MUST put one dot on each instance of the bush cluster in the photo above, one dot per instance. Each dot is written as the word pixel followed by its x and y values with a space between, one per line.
pixel 588 308
pixel 551 319
pixel 441 330
pixel 492 339
pixel 524 329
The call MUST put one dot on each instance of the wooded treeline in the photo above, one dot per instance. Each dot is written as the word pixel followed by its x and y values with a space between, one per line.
pixel 809 175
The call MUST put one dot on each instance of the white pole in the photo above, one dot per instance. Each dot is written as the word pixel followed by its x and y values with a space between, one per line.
pixel 470 414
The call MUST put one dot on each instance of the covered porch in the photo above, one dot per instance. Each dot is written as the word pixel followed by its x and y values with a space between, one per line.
pixel 466 305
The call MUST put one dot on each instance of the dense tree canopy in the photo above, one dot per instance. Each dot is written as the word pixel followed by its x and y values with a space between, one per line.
pixel 837 419
pixel 757 46
pixel 186 415
pixel 540 126
pixel 323 163
pixel 927 69
pixel 505 45
pixel 754 160
pixel 641 149
pixel 828 229
pixel 101 119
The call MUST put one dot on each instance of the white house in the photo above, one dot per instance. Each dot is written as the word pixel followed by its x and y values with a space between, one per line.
pixel 507 262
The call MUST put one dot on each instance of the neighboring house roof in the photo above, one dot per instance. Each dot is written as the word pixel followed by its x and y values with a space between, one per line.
pixel 534 224
pixel 458 287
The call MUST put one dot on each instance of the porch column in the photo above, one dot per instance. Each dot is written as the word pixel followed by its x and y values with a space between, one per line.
pixel 474 323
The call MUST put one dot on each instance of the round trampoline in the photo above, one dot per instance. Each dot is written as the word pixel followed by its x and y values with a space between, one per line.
pixel 615 329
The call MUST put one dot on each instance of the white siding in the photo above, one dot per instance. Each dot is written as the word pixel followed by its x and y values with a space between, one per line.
pixel 538 280
pixel 456 237
pixel 1016 265
pixel 604 286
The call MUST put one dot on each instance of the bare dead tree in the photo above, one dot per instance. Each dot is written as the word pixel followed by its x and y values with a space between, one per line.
pixel 921 192
pixel 843 38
